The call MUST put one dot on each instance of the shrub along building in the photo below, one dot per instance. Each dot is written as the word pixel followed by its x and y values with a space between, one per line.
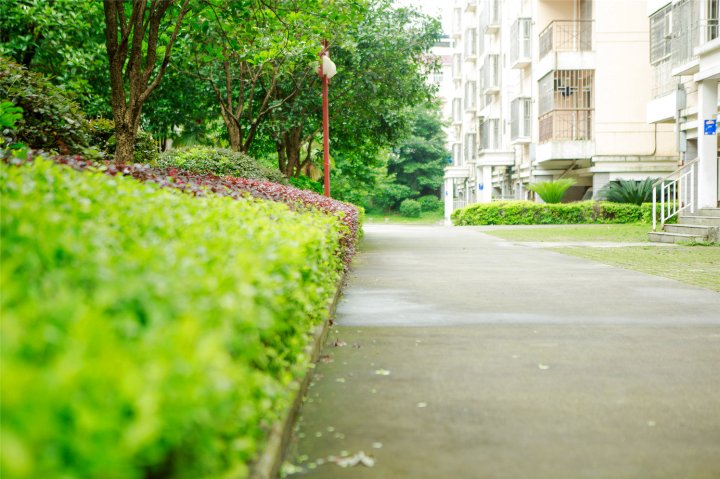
pixel 566 89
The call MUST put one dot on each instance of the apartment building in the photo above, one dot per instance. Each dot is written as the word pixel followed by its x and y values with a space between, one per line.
pixel 685 57
pixel 548 89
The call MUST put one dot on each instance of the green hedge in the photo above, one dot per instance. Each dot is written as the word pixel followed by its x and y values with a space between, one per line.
pixel 222 162
pixel 529 213
pixel 146 332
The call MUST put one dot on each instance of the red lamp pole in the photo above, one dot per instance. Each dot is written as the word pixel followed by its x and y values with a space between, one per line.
pixel 326 121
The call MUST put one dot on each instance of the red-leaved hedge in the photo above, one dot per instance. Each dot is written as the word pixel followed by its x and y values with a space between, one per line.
pixel 200 184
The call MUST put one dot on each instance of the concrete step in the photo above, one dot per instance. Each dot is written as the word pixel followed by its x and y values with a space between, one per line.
pixel 662 237
pixel 708 212
pixel 686 229
pixel 699 220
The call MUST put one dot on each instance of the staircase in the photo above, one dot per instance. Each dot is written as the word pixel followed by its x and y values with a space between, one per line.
pixel 701 226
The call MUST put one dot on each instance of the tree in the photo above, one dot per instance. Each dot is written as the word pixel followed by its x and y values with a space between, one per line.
pixel 59 39
pixel 382 69
pixel 420 158
pixel 139 37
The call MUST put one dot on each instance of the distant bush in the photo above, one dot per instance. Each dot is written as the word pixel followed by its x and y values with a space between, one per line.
pixel 147 333
pixel 146 148
pixel 220 161
pixel 51 120
pixel 552 191
pixel 628 191
pixel 530 213
pixel 305 183
pixel 410 208
pixel 430 203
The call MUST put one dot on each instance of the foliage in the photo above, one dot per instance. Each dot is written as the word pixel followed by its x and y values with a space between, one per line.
pixel 202 184
pixel 219 161
pixel 60 40
pixel 628 191
pixel 147 333
pixel 528 213
pixel 305 183
pixel 420 158
pixel 102 135
pixel 139 43
pixel 430 203
pixel 410 208
pixel 51 121
pixel 146 148
pixel 9 115
pixel 552 191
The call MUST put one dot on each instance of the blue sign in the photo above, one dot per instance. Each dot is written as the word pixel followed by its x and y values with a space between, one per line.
pixel 711 127
pixel 481 187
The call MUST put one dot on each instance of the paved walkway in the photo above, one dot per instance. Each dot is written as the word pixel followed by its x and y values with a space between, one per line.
pixel 458 355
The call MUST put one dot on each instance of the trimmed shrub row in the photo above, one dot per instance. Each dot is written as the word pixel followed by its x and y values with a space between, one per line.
pixel 200 184
pixel 220 161
pixel 529 213
pixel 145 332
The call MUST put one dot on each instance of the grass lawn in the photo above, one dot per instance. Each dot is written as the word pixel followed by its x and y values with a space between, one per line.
pixel 623 233
pixel 426 218
pixel 696 265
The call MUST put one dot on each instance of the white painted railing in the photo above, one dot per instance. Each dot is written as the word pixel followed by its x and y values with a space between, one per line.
pixel 677 193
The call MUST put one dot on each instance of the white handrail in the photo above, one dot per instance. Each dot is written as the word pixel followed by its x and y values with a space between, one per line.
pixel 677 193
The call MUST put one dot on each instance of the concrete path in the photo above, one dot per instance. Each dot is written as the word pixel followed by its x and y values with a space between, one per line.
pixel 458 355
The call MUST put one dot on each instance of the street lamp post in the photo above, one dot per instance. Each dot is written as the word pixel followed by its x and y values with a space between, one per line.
pixel 327 71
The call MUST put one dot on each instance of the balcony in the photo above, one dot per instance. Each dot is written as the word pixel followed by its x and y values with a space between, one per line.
pixel 566 125
pixel 566 36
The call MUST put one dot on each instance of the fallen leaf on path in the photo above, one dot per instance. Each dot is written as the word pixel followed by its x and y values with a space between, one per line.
pixel 337 342
pixel 377 445
pixel 354 460
pixel 326 358
pixel 340 380
pixel 382 372
pixel 422 404
pixel 356 346
pixel 543 366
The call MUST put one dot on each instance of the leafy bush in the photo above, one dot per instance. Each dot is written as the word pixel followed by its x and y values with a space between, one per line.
pixel 222 162
pixel 102 137
pixel 628 191
pixel 146 148
pixel 430 203
pixel 552 191
pixel 410 208
pixel 9 115
pixel 530 213
pixel 389 195
pixel 147 333
pixel 305 183
pixel 50 121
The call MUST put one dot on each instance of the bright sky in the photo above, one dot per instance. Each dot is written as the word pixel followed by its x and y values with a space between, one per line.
pixel 435 8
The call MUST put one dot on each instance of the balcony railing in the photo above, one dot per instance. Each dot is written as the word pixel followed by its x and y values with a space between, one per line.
pixel 566 36
pixel 566 125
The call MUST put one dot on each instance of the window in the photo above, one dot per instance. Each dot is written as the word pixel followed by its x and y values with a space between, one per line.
pixel 660 25
pixel 470 147
pixel 713 14
pixel 490 134
pixel 520 38
pixel 565 105
pixel 470 95
pixel 520 118
pixel 470 42
pixel 457 110
pixel 457 154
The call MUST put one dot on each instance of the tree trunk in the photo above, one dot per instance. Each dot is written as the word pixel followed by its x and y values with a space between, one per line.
pixel 234 133
pixel 125 146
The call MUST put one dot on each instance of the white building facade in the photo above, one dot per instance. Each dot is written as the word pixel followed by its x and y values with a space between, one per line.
pixel 561 89
pixel 685 56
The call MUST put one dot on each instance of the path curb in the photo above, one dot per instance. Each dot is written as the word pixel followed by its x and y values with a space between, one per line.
pixel 268 464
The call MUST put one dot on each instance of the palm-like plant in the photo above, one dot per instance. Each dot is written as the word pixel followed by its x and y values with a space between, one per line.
pixel 628 191
pixel 552 191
